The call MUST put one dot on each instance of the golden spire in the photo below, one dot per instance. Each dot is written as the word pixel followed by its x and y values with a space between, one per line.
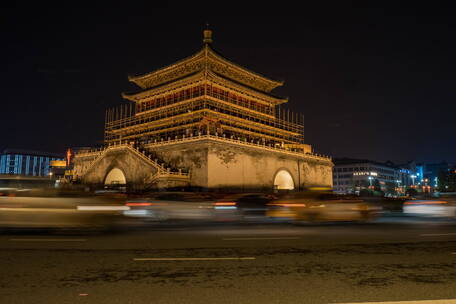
pixel 207 35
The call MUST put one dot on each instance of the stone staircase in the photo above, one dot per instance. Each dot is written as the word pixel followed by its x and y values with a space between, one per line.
pixel 163 172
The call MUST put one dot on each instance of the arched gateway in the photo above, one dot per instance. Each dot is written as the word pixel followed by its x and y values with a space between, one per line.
pixel 115 176
pixel 283 181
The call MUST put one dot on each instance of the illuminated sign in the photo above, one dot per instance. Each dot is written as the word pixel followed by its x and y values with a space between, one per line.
pixel 58 163
pixel 361 173
pixel 365 173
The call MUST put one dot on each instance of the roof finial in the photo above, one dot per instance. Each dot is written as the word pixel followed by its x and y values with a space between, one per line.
pixel 207 35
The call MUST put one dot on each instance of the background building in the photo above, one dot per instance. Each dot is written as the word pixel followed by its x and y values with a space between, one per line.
pixel 428 174
pixel 27 162
pixel 354 175
pixel 350 176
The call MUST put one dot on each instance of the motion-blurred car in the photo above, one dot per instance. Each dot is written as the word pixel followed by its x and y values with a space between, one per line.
pixel 30 212
pixel 430 208
pixel 321 207
pixel 181 206
pixel 250 206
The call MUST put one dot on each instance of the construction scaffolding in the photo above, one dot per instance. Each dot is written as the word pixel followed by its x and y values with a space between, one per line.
pixel 205 115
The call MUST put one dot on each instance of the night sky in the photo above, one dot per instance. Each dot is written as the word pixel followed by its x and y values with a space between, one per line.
pixel 375 82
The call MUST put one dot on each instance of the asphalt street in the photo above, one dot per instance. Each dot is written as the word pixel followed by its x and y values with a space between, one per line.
pixel 391 259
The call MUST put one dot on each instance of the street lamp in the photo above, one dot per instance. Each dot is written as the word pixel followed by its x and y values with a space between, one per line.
pixel 413 179
pixel 370 181
pixel 398 181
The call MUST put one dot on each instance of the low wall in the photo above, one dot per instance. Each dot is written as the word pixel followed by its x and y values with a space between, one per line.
pixel 216 165
pixel 248 168
pixel 213 164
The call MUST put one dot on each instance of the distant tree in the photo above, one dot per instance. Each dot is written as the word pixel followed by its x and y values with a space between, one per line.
pixel 451 181
pixel 365 192
pixel 363 183
pixel 359 185
pixel 379 193
pixel 376 184
pixel 442 184
pixel 390 188
pixel 411 192
pixel 447 180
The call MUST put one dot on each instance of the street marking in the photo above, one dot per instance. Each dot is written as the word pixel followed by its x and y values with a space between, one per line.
pixel 260 238
pixel 437 234
pixel 48 240
pixel 408 302
pixel 195 259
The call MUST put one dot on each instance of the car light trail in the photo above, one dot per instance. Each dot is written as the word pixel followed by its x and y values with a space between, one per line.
pixel 138 204
pixel 102 208
pixel 421 202
pixel 408 302
pixel 225 204
pixel 52 210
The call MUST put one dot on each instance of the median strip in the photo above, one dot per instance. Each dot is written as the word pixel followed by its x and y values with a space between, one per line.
pixel 260 238
pixel 195 259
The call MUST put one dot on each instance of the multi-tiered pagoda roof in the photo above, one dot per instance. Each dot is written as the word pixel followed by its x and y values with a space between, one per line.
pixel 205 93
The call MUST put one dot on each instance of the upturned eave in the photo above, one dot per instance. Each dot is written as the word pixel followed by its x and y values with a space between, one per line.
pixel 208 59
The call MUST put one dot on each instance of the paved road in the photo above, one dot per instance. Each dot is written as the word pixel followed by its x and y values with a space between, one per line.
pixel 388 260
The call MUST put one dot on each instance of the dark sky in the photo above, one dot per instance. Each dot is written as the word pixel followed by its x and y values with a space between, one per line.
pixel 373 81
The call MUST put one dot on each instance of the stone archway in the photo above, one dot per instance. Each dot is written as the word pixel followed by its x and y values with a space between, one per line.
pixel 115 176
pixel 283 180
pixel 122 165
